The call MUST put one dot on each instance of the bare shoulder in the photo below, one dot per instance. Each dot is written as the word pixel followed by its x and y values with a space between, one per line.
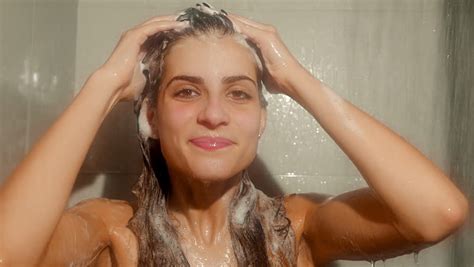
pixel 115 215
pixel 298 205
pixel 113 212
pixel 86 230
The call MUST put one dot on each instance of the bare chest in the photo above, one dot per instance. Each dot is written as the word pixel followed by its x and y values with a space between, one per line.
pixel 198 255
pixel 218 254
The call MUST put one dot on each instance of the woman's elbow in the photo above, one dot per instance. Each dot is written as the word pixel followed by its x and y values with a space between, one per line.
pixel 451 217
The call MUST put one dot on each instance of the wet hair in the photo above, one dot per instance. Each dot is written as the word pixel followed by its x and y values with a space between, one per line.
pixel 259 229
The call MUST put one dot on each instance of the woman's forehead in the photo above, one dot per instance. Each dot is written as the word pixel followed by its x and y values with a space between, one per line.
pixel 210 55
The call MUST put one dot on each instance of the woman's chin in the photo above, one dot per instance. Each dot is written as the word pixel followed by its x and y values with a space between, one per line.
pixel 213 171
pixel 211 177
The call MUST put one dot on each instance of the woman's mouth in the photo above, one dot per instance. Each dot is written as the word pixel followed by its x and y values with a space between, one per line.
pixel 211 143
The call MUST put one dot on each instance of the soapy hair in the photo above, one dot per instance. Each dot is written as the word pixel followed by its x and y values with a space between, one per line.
pixel 260 232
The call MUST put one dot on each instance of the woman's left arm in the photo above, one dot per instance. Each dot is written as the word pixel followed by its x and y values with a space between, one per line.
pixel 410 200
pixel 423 200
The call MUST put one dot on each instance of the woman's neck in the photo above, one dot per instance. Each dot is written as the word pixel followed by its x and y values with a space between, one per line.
pixel 202 208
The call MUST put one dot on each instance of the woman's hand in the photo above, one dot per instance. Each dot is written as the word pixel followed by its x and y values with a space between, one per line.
pixel 122 69
pixel 279 64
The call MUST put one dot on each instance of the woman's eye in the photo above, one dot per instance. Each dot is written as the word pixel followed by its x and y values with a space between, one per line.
pixel 186 93
pixel 240 95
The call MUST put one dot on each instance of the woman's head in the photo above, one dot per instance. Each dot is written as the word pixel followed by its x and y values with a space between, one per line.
pixel 205 90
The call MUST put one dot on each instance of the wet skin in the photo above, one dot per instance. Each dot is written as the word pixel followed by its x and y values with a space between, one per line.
pixel 208 106
pixel 202 95
pixel 410 204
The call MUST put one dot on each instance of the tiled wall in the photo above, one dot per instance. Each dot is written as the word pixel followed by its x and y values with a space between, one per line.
pixel 37 69
pixel 385 56
pixel 460 40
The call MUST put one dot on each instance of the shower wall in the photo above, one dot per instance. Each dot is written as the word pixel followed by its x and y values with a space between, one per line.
pixel 37 69
pixel 387 57
pixel 460 40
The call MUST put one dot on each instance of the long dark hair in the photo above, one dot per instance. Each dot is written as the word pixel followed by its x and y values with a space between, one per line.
pixel 258 226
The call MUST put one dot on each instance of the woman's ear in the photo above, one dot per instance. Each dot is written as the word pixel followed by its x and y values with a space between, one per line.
pixel 146 121
pixel 263 122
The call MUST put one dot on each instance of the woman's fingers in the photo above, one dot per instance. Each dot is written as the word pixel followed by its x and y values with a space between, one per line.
pixel 123 64
pixel 254 31
pixel 247 30
pixel 160 18
pixel 252 23
pixel 143 32
pixel 157 26
pixel 277 59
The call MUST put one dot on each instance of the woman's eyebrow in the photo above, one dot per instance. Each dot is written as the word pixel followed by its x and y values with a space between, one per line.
pixel 200 80
pixel 192 79
pixel 231 79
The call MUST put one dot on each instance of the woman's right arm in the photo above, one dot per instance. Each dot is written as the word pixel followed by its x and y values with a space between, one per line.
pixel 33 197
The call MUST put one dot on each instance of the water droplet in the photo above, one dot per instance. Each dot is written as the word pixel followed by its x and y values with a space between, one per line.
pixel 372 263
pixel 35 78
pixel 415 258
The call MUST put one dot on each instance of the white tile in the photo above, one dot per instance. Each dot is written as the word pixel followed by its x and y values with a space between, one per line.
pixel 16 19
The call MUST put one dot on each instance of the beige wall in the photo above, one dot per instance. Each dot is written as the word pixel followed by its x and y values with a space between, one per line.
pixel 385 56
pixel 460 37
pixel 37 61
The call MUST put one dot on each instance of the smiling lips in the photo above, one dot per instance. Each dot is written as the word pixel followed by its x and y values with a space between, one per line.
pixel 211 143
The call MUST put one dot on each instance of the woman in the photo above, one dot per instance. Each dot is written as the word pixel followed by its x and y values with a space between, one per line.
pixel 201 115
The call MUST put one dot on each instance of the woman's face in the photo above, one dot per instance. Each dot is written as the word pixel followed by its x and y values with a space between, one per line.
pixel 208 117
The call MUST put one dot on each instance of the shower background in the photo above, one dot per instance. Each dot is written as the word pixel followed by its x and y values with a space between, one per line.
pixel 406 62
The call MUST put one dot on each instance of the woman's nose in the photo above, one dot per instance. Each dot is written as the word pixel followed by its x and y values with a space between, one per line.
pixel 213 113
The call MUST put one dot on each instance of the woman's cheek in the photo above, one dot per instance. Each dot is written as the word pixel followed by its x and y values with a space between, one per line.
pixel 250 122
pixel 171 123
pixel 179 115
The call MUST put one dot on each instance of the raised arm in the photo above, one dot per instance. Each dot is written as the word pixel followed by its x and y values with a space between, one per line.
pixel 33 197
pixel 410 202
